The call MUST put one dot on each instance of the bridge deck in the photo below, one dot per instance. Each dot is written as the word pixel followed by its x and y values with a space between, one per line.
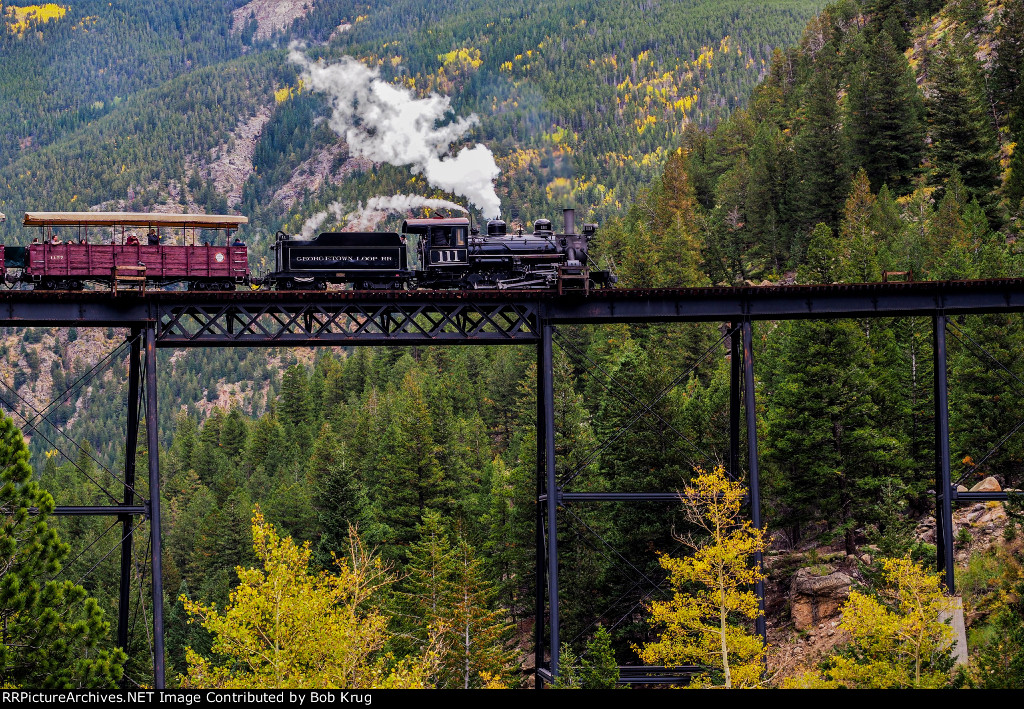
pixel 253 318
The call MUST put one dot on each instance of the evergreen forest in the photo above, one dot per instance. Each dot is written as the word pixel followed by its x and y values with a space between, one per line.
pixel 716 144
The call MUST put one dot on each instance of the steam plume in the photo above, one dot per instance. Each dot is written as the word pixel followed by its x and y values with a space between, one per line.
pixel 387 123
pixel 311 225
pixel 368 216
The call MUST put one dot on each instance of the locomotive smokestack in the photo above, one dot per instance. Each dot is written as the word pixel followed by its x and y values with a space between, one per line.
pixel 570 220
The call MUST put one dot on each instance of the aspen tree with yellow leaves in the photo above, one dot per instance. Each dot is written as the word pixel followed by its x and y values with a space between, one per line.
pixel 287 627
pixel 898 640
pixel 708 620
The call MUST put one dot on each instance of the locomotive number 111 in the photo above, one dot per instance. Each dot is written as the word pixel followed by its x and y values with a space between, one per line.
pixel 439 256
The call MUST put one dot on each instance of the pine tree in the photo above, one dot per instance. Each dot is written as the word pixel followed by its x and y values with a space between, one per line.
pixel 1008 94
pixel 404 477
pixel 51 630
pixel 446 594
pixel 821 177
pixel 858 239
pixel 768 206
pixel 948 236
pixel 295 410
pixel 481 636
pixel 677 249
pixel 594 669
pixel 911 248
pixel 886 223
pixel 999 663
pixel 234 435
pixel 265 454
pixel 826 452
pixel 886 110
pixel 598 669
pixel 1008 71
pixel 824 262
pixel 339 497
pixel 963 139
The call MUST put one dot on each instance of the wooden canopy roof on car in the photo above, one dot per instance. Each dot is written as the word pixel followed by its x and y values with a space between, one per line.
pixel 144 219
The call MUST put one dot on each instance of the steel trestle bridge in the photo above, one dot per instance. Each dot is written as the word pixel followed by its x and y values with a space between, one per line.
pixel 176 319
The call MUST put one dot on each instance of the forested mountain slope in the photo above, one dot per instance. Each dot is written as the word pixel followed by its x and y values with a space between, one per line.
pixel 882 138
pixel 578 101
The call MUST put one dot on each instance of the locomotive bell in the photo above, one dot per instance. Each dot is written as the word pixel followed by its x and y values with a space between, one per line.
pixel 496 227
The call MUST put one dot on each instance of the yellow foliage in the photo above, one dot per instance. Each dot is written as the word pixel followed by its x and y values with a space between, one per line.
pixel 20 17
pixel 560 136
pixel 462 58
pixel 558 189
pixel 705 57
pixel 644 123
pixel 285 626
pixel 711 587
pixel 89 20
pixel 518 160
pixel 283 94
pixel 492 682
pixel 902 644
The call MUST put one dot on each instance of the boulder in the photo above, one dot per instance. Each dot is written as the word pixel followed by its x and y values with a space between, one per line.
pixel 989 484
pixel 814 598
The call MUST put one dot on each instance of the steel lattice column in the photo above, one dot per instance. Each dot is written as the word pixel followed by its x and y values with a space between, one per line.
pixel 152 440
pixel 943 482
pixel 539 558
pixel 755 482
pixel 734 402
pixel 547 392
pixel 131 445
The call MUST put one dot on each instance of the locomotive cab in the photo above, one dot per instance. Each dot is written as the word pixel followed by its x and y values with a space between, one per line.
pixel 443 243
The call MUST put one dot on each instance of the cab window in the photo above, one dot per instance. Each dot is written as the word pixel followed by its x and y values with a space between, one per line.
pixel 460 236
pixel 439 237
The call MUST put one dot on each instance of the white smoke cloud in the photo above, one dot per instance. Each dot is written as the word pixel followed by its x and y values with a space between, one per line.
pixel 312 225
pixel 367 217
pixel 403 202
pixel 387 123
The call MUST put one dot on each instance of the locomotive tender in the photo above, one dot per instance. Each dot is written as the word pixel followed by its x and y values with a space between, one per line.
pixel 445 253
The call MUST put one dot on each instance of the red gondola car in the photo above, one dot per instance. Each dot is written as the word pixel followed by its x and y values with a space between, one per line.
pixel 58 262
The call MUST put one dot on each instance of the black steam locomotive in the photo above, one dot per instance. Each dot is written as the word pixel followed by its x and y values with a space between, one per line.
pixel 441 253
